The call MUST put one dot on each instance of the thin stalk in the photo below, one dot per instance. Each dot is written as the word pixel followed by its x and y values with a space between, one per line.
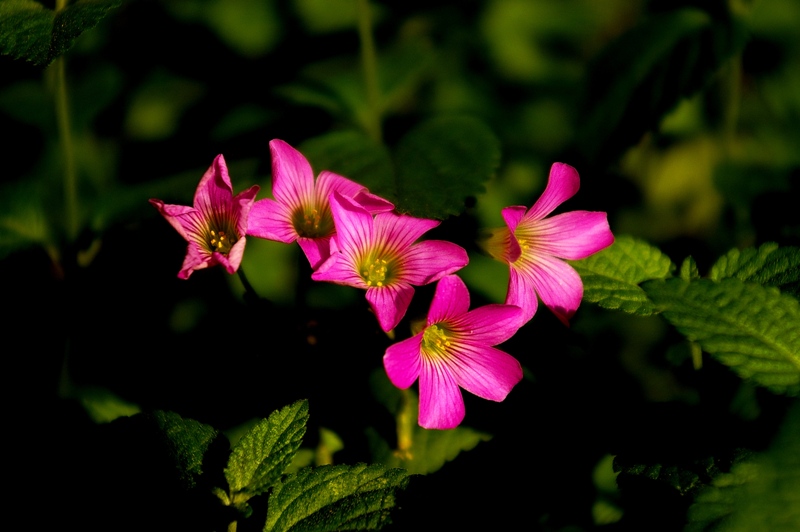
pixel 369 63
pixel 67 147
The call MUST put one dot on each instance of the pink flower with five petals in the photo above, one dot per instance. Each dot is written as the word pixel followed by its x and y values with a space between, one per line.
pixel 300 210
pixel 534 246
pixel 216 225
pixel 380 255
pixel 455 350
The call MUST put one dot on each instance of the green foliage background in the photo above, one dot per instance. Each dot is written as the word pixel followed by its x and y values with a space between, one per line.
pixel 670 402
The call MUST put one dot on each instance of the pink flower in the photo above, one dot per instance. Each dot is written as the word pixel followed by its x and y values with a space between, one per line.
pixel 300 210
pixel 379 255
pixel 455 350
pixel 534 245
pixel 215 227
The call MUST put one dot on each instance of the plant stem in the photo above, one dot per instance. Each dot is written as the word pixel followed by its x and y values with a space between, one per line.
pixel 369 62
pixel 67 147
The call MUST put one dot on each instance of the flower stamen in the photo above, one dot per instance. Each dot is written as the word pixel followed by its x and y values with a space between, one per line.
pixel 435 340
pixel 376 273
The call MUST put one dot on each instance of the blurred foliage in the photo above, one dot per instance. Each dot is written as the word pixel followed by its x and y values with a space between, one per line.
pixel 682 118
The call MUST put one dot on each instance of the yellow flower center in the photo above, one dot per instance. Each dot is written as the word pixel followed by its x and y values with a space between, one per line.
pixel 313 223
pixel 220 236
pixel 435 340
pixel 376 272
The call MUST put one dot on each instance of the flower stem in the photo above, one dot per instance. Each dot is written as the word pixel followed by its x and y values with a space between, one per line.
pixel 67 148
pixel 369 62
pixel 249 292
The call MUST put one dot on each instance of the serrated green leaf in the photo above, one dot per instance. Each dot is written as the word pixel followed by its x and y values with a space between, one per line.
pixel 689 269
pixel 261 456
pixel 611 277
pixel 684 478
pixel 188 441
pixel 648 70
pixel 39 35
pixel 330 498
pixel 443 161
pixel 430 449
pixel 762 493
pixel 751 328
pixel 769 265
pixel 354 155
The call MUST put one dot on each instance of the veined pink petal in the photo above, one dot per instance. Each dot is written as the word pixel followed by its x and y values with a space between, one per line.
pixel 559 286
pixel 329 182
pixel 489 324
pixel 562 184
pixel 243 204
pixel 372 202
pixel 173 214
pixel 571 235
pixel 450 300
pixel 354 225
pixel 399 231
pixel 441 405
pixel 485 371
pixel 339 269
pixel 271 220
pixel 292 177
pixel 522 293
pixel 390 303
pixel 402 361
pixel 215 188
pixel 232 261
pixel 195 259
pixel 513 215
pixel 316 250
pixel 430 260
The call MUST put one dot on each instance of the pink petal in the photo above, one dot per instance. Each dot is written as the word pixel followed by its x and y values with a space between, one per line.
pixel 450 300
pixel 403 361
pixel 271 220
pixel 559 286
pixel 292 177
pixel 316 250
pixel 441 405
pixel 521 293
pixel 354 225
pixel 328 182
pixel 485 371
pixel 232 261
pixel 572 235
pixel 373 203
pixel 562 184
pixel 173 214
pixel 430 260
pixel 243 204
pixel 390 303
pixel 489 324
pixel 195 259
pixel 214 193
pixel 339 269
pixel 399 231
pixel 513 215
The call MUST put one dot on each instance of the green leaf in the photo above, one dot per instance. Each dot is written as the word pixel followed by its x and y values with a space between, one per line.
pixel 354 155
pixel 762 493
pixel 188 440
pixel 329 498
pixel 748 327
pixel 689 269
pixel 648 70
pixel 768 265
pixel 23 217
pixel 428 450
pixel 612 276
pixel 443 161
pixel 31 32
pixel 685 478
pixel 261 456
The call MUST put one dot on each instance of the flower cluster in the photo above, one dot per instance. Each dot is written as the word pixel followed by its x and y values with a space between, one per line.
pixel 355 238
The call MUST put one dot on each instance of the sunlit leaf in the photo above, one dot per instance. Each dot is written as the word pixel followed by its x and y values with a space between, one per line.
pixel 768 265
pixel 612 276
pixel 329 498
pixel 752 329
pixel 761 493
pixel 354 155
pixel 443 161
pixel 30 31
pixel 646 72
pixel 262 455
pixel 188 441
